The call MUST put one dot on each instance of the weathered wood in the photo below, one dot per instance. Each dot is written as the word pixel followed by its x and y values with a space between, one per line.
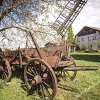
pixel 65 63
pixel 36 44
pixel 68 47
pixel 81 68
pixel 0 68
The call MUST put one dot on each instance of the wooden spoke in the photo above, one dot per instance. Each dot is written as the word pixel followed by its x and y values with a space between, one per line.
pixel 68 74
pixel 42 91
pixel 39 69
pixel 46 84
pixel 32 71
pixel 72 74
pixel 4 75
pixel 29 80
pixel 45 78
pixel 37 89
pixel 29 74
pixel 46 88
pixel 43 72
pixel 35 70
pixel 6 70
pixel 32 67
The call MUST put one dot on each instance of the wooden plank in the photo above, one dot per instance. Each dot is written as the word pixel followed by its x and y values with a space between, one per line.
pixel 65 63
pixel 81 68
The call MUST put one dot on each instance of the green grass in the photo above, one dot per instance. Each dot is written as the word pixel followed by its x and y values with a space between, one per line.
pixel 86 85
pixel 89 59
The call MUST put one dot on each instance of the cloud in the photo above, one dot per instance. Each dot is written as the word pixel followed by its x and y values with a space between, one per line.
pixel 89 16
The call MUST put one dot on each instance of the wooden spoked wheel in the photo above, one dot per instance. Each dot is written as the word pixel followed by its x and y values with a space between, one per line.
pixel 6 72
pixel 71 74
pixel 67 74
pixel 40 78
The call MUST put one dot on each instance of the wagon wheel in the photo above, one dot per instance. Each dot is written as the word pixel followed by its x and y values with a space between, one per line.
pixel 6 70
pixel 40 78
pixel 70 74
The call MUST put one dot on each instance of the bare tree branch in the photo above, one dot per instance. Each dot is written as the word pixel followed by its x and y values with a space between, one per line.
pixel 9 9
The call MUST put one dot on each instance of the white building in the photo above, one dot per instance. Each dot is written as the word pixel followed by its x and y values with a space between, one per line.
pixel 88 36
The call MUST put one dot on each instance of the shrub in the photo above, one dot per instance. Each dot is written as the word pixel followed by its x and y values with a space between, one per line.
pixel 89 49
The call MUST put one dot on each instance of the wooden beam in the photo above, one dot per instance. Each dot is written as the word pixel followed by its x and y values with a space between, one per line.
pixel 81 68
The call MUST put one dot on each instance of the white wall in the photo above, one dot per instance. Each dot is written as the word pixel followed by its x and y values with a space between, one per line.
pixel 84 41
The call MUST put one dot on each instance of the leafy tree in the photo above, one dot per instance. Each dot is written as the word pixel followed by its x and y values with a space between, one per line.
pixel 70 37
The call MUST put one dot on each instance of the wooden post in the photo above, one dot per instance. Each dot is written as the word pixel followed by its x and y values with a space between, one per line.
pixel 35 43
pixel 68 50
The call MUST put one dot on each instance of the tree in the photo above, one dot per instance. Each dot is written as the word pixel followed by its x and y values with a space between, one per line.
pixel 70 37
pixel 1 1
pixel 25 14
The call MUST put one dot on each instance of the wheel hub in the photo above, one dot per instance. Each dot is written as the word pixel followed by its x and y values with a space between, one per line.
pixel 37 79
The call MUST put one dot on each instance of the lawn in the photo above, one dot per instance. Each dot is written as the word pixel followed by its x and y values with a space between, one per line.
pixel 86 86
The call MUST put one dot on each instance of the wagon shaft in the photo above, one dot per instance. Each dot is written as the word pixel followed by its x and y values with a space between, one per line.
pixel 81 68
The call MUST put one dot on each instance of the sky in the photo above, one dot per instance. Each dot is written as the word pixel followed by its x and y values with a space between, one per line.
pixel 89 16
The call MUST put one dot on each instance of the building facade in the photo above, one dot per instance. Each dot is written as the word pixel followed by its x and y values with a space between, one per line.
pixel 88 36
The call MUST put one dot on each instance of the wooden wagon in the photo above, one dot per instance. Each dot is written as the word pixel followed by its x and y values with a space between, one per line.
pixel 41 66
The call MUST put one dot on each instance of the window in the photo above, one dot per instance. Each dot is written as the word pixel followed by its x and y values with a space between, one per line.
pixel 82 39
pixel 88 38
pixel 94 37
pixel 78 40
